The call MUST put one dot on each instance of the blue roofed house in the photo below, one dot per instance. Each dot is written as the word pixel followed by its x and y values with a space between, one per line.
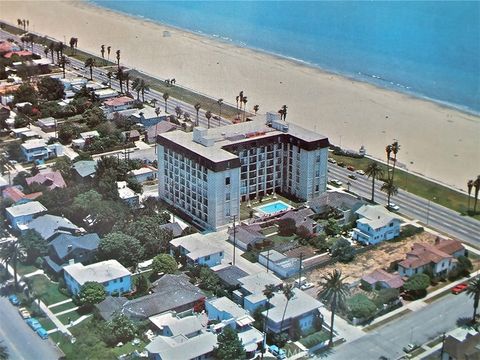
pixel 49 225
pixel 375 224
pixel 198 249
pixel 115 278
pixel 66 247
pixel 250 294
pixel 85 169
pixel 283 266
pixel 37 149
pixel 20 215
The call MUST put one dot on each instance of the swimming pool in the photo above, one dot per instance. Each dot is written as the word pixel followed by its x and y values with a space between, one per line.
pixel 274 207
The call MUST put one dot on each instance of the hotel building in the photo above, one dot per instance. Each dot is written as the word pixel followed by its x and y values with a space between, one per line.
pixel 208 173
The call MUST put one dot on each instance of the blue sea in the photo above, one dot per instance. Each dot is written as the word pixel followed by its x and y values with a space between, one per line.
pixel 427 48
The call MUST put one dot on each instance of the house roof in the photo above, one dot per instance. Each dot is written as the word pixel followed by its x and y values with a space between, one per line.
pixel 147 112
pixel 111 305
pixel 226 305
pixel 48 225
pixel 301 217
pixel 182 348
pixel 89 134
pixel 376 216
pixel 29 208
pixel 143 170
pixel 15 194
pixel 62 242
pixel 7 46
pixel 118 101
pixel 422 253
pixel 448 246
pixel 180 326
pixel 34 144
pixel 198 245
pixel 99 272
pixel 160 128
pixel 52 180
pixel 281 260
pixel 335 199
pixel 124 192
pixel 392 280
pixel 175 228
pixel 256 283
pixel 49 121
pixel 246 234
pixel 300 304
pixel 463 349
pixel 230 275
pixel 19 53
pixel 85 168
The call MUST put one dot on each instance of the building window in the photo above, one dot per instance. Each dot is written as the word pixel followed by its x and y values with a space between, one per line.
pixel 227 180
pixel 207 257
pixel 227 196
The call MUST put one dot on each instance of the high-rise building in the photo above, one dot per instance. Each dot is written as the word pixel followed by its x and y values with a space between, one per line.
pixel 208 173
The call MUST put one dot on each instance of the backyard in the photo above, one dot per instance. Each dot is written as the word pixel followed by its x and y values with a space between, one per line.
pixel 45 289
pixel 277 242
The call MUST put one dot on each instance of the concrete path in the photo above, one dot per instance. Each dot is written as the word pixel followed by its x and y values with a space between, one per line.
pixel 37 272
pixel 62 328
pixel 66 311
pixel 60 303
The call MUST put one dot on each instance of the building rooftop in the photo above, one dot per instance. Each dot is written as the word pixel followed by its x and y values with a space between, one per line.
pixel 198 245
pixel 300 304
pixel 85 168
pixel 175 228
pixel 29 208
pixel 227 306
pixel 50 179
pixel 376 216
pixel 423 253
pixel 143 171
pixel 246 234
pixel 99 272
pixel 124 191
pixel 119 101
pixel 147 112
pixel 15 194
pixel 182 348
pixel 89 134
pixel 49 121
pixel 335 199
pixel 48 225
pixel 392 280
pixel 66 243
pixel 34 144
pixel 180 326
pixel 230 275
pixel 256 283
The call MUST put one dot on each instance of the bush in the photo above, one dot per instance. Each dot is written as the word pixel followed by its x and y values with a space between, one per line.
pixel 343 250
pixel 286 227
pixel 386 296
pixel 360 306
pixel 164 263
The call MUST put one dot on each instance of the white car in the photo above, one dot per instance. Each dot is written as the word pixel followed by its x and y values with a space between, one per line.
pixel 360 172
pixel 336 182
pixel 332 161
pixel 306 286
pixel 393 207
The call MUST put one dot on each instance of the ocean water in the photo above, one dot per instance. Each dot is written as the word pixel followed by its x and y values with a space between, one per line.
pixel 430 49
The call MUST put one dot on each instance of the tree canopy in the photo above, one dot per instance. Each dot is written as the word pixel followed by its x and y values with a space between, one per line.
pixel 343 250
pixel 91 293
pixel 164 263
pixel 120 329
pixel 417 282
pixel 230 346
pixel 360 306
pixel 121 247
pixel 25 93
pixel 50 88
pixel 34 245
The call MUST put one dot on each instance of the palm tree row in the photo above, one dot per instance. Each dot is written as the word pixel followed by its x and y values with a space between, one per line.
pixel 242 99
pixel 283 112
pixel 23 23
pixel 140 86
pixel 476 185
pixel 389 186
pixel 73 44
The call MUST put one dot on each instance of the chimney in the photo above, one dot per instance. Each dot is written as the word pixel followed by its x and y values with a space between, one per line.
pixel 69 248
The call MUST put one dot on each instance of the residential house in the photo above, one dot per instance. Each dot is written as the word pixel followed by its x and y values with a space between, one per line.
pixel 342 202
pixel 16 195
pixel 438 258
pixel 102 94
pixel 379 278
pixel 47 124
pixel 175 228
pixel 246 236
pixel 170 293
pixel 66 247
pixel 302 308
pixel 169 324
pixel 128 196
pixel 198 249
pixel 85 139
pixel 182 348
pixel 131 136
pixel 4 112
pixel 375 224
pixel 225 312
pixel 147 116
pixel 118 104
pixel 20 215
pixel 49 225
pixel 160 128
pixel 7 46
pixel 19 53
pixel 250 294
pixel 302 217
pixel 230 275
pixel 17 133
pixel 85 169
pixel 51 179
pixel 283 266
pixel 37 149
pixel 115 278
pixel 465 347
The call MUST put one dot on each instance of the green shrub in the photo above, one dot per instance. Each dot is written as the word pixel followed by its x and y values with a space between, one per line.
pixel 360 306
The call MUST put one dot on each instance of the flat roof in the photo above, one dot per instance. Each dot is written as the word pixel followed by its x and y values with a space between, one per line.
pixel 256 283
pixel 198 245
pixel 100 272
pixel 224 304
pixel 34 144
pixel 300 304
pixel 182 348
pixel 29 208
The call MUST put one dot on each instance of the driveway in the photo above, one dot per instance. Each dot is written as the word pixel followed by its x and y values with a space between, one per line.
pixel 21 341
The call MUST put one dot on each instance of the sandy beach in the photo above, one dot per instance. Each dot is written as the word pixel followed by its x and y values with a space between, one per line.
pixel 436 141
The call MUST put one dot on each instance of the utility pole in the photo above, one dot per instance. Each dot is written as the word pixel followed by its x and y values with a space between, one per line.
pixel 268 258
pixel 234 238
pixel 443 346
pixel 300 270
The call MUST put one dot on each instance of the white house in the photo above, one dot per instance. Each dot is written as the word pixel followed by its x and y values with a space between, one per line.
pixel 375 224
pixel 144 173
pixel 111 274
pixel 20 215
pixel 280 264
pixel 37 149
pixel 198 249
pixel 127 195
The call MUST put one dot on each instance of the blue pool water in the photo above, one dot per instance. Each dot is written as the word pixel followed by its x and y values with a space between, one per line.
pixel 427 48
pixel 274 207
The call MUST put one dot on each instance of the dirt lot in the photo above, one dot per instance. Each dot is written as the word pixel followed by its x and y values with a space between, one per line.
pixel 380 257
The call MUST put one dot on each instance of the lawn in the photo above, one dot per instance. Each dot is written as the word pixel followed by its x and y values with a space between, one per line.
pixel 47 324
pixel 63 307
pixel 73 315
pixel 47 290
pixel 291 349
pixel 23 269
pixel 252 255
pixel 419 186
pixel 315 338
pixel 269 230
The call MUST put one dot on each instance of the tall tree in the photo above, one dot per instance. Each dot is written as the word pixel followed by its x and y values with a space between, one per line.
pixel 3 352
pixel 118 58
pixel 51 47
pixel 388 151
pixel 63 62
pixel 197 107
pixel 91 293
pixel 34 245
pixel 269 293
pixel 333 293
pixel 124 248
pixel 11 252
pixel 119 75
pixel 102 51
pixel 244 101
pixel 208 115
pixel 136 87
pixel 229 345
pixel 473 290
pixel 72 44
pixel 90 63
pixel 165 97
pixel 469 187
pixel 374 171
pixel 289 294
pixel 395 150
pixel 390 188
pixel 476 185
pixel 256 108
pixel 109 49
pixel 126 78
pixel 220 103
pixel 109 76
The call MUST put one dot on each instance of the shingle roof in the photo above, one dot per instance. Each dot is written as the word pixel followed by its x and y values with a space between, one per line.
pixel 62 242
pixel 393 280
pixel 99 272
pixel 301 217
pixel 255 283
pixel 422 253
pixel 111 305
pixel 122 100
pixel 85 167
pixel 334 199
pixel 246 234
pixel 198 245
pixel 48 225
pixel 230 275
pixel 173 227
pixel 182 348
pixel 375 216
pixel 29 208
pixel 52 180
pixel 16 194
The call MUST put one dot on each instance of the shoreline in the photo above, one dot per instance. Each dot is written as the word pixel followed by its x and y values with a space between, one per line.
pixel 437 141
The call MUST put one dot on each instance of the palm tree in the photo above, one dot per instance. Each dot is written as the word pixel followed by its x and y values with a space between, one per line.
pixel 126 77
pixel 388 150
pixel 136 86
pixel 474 291
pixel 220 103
pixel 154 102
pixel 255 108
pixel 197 107
pixel 58 47
pixel 19 22
pixel 165 97
pixel 333 293
pixel 90 63
pixel 208 115
pixel 288 293
pixel 178 111
pixel 63 61
pixel 119 76
pixel 476 185
pixel 284 112
pixel 157 111
pixel 45 50
pixel 143 87
pixel 24 25
pixel 390 188
pixel 269 292
pixel 11 252
pixel 28 24
pixel 237 98
pixel 244 101
pixel 469 187
pixel 109 76
pixel 375 171
pixel 51 47
pixel 73 44
pixel 395 150
pixel 118 58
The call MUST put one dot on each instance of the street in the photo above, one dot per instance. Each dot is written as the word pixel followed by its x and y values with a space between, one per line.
pixel 435 216
pixel 417 327
pixel 21 341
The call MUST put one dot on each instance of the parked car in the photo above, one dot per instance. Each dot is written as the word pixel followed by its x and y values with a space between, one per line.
pixel 410 347
pixel 341 164
pixel 24 313
pixel 336 182
pixel 42 333
pixel 352 176
pixel 350 168
pixel 33 323
pixel 360 172
pixel 332 161
pixel 457 289
pixel 393 207
pixel 14 300
pixel 277 352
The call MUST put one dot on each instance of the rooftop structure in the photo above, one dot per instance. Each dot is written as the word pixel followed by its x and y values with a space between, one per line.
pixel 15 194
pixel 49 225
pixel 383 279
pixel 375 224
pixel 85 168
pixel 199 249
pixel 126 194
pixel 230 275
pixel 51 179
pixel 281 265
pixel 255 283
pixel 246 236
pixel 182 348
pixel 223 166
pixel 99 272
pixel 29 208
pixel 171 325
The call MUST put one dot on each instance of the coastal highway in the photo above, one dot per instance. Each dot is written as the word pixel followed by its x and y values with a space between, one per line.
pixel 429 213
pixel 100 75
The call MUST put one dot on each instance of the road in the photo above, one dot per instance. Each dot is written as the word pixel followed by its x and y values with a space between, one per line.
pixel 100 75
pixel 435 216
pixel 416 327
pixel 22 342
